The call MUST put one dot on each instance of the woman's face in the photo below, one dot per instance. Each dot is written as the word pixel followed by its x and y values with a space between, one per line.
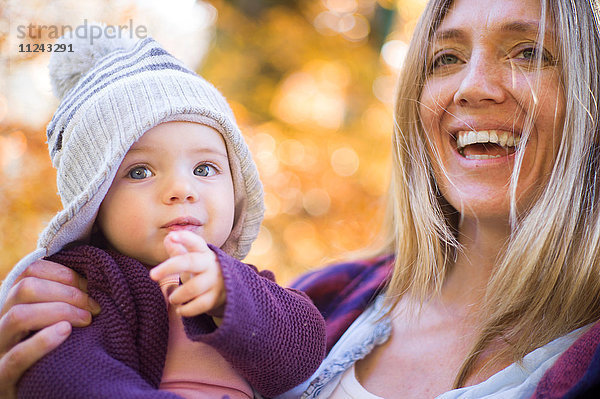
pixel 482 87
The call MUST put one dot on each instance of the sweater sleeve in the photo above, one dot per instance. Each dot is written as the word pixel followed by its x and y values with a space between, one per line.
pixel 275 337
pixel 121 354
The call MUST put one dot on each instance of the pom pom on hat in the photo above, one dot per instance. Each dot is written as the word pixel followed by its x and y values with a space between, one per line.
pixel 66 68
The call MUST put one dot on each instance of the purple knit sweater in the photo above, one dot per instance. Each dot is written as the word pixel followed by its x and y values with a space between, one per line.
pixel 274 337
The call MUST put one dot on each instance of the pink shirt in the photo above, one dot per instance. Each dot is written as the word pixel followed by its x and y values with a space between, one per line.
pixel 195 370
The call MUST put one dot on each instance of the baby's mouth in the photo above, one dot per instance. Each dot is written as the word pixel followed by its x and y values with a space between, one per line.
pixel 486 144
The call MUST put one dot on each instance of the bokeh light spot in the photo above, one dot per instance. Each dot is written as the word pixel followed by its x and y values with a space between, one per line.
pixel 360 29
pixel 315 94
pixel 316 202
pixel 301 237
pixel 384 88
pixel 393 53
pixel 12 148
pixel 342 6
pixel 345 161
pixel 263 243
pixel 291 152
pixel 326 23
pixel 272 205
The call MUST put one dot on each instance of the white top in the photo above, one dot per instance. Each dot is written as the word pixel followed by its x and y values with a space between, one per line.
pixel 370 330
pixel 350 388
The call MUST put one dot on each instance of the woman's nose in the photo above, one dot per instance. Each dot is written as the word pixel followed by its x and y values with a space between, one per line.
pixel 481 83
pixel 179 190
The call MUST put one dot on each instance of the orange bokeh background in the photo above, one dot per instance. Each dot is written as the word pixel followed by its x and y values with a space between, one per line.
pixel 311 83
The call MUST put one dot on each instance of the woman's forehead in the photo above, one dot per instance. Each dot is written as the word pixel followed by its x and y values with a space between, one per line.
pixel 491 15
pixel 494 21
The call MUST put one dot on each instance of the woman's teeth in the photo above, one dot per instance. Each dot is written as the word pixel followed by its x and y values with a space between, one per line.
pixel 504 139
pixel 475 156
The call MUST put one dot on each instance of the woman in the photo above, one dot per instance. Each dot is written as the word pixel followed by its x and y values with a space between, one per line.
pixel 494 208
pixel 493 222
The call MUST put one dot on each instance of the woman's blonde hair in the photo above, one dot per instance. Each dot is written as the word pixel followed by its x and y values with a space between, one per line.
pixel 547 280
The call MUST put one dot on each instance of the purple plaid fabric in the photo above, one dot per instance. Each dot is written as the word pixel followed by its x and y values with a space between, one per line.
pixel 342 292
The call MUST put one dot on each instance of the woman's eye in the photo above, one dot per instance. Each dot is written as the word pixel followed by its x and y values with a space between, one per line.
pixel 528 53
pixel 534 54
pixel 445 59
pixel 204 170
pixel 139 173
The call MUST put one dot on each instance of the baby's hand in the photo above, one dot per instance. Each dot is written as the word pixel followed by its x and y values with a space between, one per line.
pixel 203 288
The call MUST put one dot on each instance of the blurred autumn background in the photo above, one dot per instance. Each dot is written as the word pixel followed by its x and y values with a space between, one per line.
pixel 310 81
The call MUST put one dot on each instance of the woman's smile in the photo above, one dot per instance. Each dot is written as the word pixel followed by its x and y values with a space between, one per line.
pixel 486 144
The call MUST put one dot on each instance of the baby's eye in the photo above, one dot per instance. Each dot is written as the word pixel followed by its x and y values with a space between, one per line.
pixel 139 173
pixel 204 170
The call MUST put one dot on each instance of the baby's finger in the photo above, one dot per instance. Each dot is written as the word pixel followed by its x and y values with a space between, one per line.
pixel 199 305
pixel 191 242
pixel 190 262
pixel 194 287
pixel 173 246
pixel 184 277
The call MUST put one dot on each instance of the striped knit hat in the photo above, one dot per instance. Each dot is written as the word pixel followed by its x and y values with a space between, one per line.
pixel 112 92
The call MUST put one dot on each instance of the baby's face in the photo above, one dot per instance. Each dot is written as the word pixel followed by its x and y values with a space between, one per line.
pixel 175 177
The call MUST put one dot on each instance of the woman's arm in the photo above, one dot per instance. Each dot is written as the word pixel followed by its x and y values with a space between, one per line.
pixel 47 297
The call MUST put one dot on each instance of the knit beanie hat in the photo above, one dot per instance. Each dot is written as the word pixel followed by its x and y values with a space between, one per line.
pixel 112 91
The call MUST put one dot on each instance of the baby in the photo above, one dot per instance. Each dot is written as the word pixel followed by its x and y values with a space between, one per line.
pixel 154 174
